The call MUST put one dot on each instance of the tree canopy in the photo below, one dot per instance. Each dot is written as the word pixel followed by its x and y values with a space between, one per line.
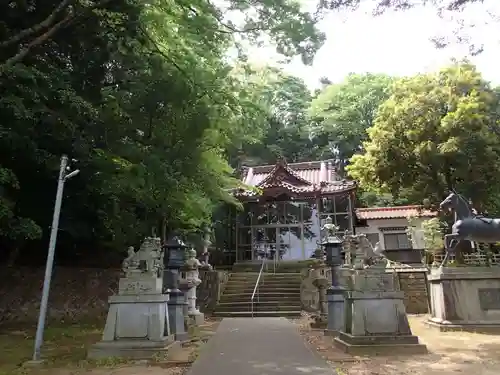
pixel 141 94
pixel 341 113
pixel 436 132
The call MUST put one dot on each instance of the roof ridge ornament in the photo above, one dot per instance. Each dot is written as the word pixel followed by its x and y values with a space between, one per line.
pixel 281 161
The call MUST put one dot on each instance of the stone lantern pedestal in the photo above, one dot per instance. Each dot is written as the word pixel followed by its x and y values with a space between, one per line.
pixel 336 293
pixel 175 254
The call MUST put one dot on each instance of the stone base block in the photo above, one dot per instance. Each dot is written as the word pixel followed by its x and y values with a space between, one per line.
pixel 183 336
pixel 319 325
pixel 331 332
pixel 379 344
pixel 197 319
pixel 135 349
pixel 492 329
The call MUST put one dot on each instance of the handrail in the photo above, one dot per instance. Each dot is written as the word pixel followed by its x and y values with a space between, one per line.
pixel 257 282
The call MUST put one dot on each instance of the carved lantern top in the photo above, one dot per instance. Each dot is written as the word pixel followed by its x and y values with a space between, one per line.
pixel 331 229
pixel 192 262
pixel 175 253
pixel 176 243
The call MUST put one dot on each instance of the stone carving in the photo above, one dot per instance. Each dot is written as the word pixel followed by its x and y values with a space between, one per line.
pixel 192 263
pixel 148 260
pixel 130 264
pixel 362 254
pixel 330 228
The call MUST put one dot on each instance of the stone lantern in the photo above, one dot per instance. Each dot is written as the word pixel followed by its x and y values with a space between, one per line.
pixel 335 294
pixel 174 259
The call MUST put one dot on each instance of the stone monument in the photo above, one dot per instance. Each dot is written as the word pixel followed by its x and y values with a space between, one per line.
pixel 375 314
pixel 175 254
pixel 192 280
pixel 137 325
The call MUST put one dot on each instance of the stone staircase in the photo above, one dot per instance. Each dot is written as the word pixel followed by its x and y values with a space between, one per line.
pixel 278 295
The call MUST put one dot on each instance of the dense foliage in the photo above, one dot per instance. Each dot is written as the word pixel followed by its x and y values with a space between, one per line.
pixel 155 102
pixel 435 133
pixel 141 95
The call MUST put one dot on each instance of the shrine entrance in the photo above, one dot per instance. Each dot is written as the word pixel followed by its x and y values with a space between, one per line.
pixel 279 242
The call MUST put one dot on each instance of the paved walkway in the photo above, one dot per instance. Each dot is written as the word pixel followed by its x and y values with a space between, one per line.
pixel 258 346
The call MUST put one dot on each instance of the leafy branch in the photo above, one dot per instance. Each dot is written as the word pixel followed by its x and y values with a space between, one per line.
pixel 53 28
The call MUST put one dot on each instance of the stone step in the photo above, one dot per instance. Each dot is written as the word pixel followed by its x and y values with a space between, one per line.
pixel 255 275
pixel 264 281
pixel 248 314
pixel 262 297
pixel 267 284
pixel 262 289
pixel 258 306
pixel 295 280
pixel 246 299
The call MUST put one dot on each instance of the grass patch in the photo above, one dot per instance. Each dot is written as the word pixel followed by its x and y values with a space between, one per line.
pixel 64 345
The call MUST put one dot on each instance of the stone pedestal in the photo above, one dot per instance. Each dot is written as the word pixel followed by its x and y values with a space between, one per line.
pixel 321 320
pixel 336 310
pixel 465 298
pixel 176 306
pixel 375 317
pixel 137 326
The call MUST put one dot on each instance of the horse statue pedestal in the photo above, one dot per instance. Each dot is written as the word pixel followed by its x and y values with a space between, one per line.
pixel 465 299
pixel 375 318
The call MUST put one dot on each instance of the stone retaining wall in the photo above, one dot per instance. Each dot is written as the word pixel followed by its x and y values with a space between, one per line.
pixel 77 294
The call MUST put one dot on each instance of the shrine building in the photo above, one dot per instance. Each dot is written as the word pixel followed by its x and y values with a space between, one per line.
pixel 285 205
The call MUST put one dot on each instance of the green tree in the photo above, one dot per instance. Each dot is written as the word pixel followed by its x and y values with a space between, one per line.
pixel 436 132
pixel 282 127
pixel 342 112
pixel 142 95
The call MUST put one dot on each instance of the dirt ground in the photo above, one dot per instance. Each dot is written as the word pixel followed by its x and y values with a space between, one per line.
pixel 65 347
pixel 449 353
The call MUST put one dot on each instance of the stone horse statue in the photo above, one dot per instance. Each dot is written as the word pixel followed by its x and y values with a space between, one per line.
pixel 468 226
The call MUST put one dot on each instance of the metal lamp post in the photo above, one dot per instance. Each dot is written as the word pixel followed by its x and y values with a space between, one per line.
pixel 64 174
pixel 335 294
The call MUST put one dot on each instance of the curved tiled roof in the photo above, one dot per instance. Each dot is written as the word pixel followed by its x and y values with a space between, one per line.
pixel 397 212
pixel 308 178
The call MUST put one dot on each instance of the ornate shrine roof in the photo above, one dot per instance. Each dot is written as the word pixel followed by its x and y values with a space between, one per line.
pixel 313 178
pixel 397 212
